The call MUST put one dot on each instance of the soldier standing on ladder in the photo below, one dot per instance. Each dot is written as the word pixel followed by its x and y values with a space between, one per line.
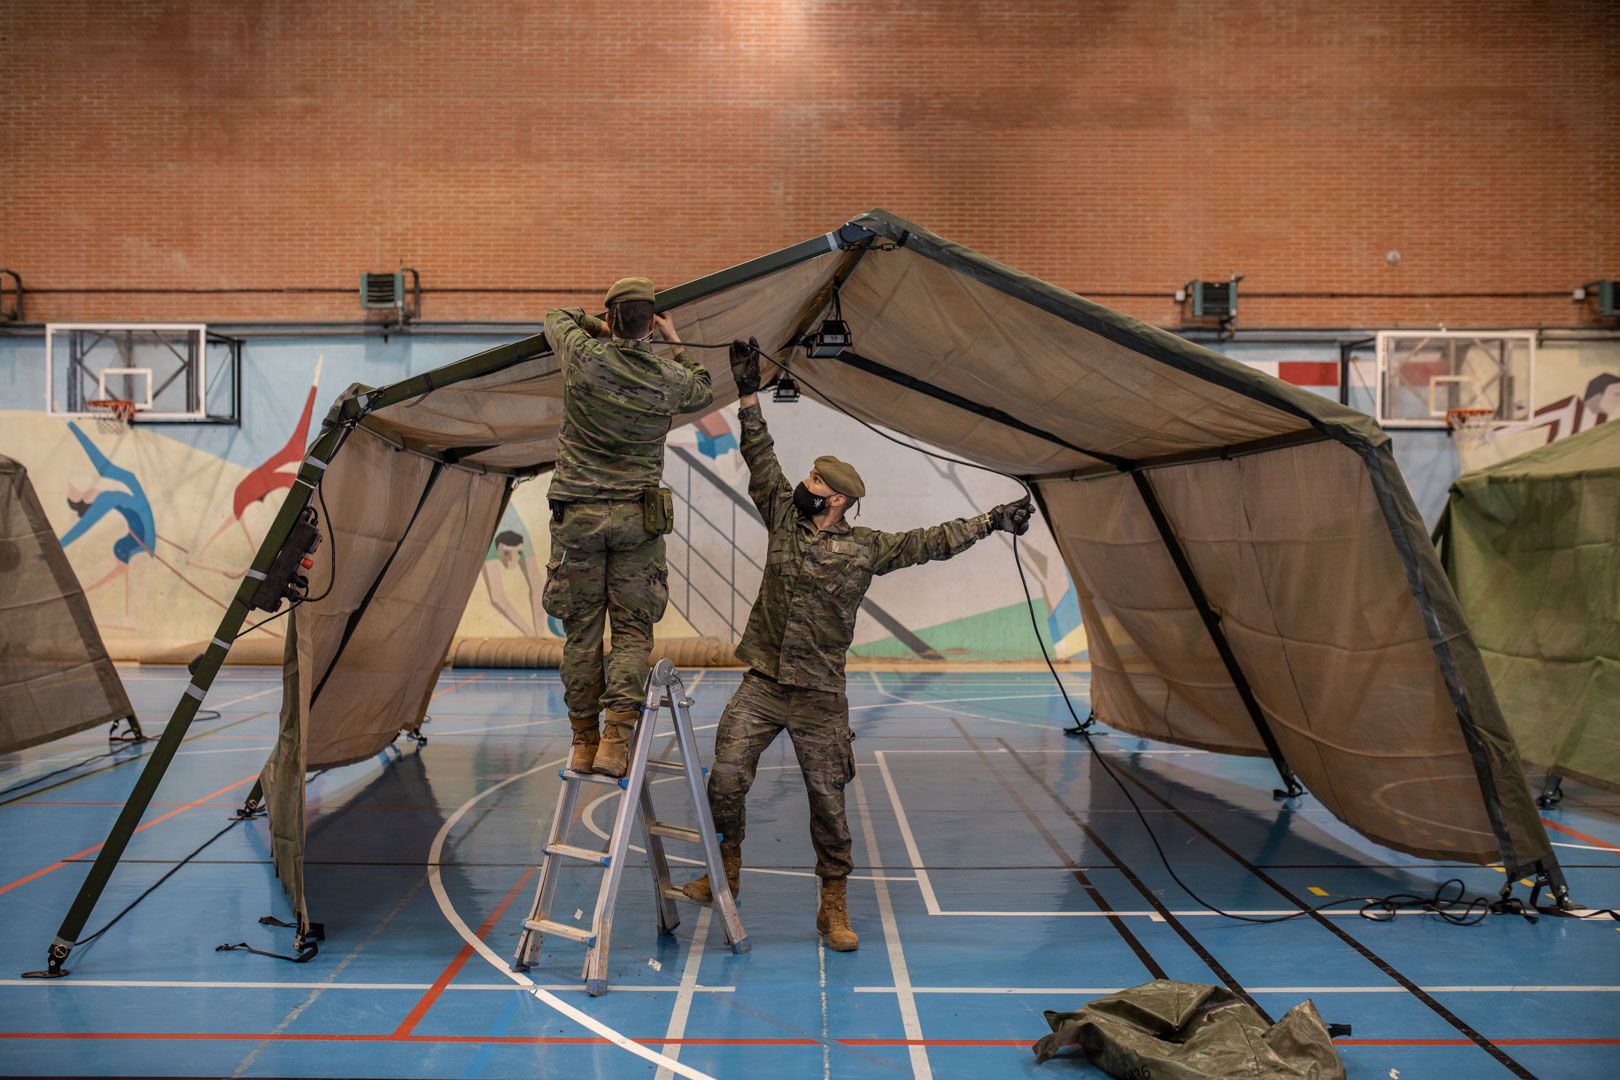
pixel 817 570
pixel 609 513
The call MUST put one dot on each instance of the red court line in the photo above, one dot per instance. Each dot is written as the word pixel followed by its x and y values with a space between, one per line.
pixel 248 779
pixel 1577 834
pixel 457 686
pixel 592 1040
pixel 453 968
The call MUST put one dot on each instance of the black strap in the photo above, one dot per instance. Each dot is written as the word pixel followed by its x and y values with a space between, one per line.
pixel 304 943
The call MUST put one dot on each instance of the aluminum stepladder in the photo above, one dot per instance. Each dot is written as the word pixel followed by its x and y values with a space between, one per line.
pixel 663 687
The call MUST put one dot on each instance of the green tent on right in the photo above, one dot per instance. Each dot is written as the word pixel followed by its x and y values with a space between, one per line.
pixel 1532 547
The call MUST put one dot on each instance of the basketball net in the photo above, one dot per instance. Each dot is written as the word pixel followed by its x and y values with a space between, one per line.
pixel 113 415
pixel 1472 428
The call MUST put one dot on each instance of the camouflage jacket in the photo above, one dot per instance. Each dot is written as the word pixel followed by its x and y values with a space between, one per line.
pixel 619 400
pixel 803 620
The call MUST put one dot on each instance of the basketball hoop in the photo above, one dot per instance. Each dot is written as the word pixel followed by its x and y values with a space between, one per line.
pixel 1470 427
pixel 113 415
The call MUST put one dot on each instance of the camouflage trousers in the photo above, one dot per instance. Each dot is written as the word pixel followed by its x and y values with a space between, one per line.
pixel 605 566
pixel 818 723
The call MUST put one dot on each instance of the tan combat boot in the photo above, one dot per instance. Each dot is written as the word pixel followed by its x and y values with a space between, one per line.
pixel 731 859
pixel 832 918
pixel 583 755
pixel 613 755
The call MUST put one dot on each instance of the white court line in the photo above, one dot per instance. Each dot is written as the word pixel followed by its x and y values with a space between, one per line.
pixel 899 701
pixel 496 727
pixel 1038 990
pixel 683 996
pixel 1584 847
pixel 588 819
pixel 909 1021
pixel 877 682
pixel 453 988
pixel 929 900
pixel 436 882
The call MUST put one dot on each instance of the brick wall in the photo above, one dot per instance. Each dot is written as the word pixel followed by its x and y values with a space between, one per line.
pixel 1108 147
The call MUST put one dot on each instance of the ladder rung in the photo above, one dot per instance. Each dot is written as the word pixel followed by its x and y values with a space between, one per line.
pixel 674 892
pixel 573 933
pixel 661 765
pixel 592 778
pixel 675 832
pixel 571 852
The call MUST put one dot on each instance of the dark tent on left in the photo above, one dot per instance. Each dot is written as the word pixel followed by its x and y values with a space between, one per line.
pixel 55 675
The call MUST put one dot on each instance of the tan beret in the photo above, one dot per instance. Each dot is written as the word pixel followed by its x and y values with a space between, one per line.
pixel 841 476
pixel 630 288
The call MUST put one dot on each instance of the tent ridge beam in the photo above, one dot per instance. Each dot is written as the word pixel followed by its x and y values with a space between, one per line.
pixel 1212 624
pixel 911 382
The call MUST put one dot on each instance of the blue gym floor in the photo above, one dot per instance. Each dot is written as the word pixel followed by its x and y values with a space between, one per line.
pixel 999 874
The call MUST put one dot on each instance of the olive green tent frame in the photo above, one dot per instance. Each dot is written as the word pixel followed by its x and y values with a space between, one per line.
pixel 1459 663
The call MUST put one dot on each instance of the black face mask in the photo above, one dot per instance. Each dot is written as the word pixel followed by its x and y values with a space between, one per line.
pixel 808 502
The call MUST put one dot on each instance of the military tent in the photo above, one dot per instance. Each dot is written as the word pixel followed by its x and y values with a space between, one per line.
pixel 1532 547
pixel 55 675
pixel 1251 569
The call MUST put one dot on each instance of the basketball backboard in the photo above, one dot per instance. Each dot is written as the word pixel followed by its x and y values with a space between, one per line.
pixel 1424 374
pixel 173 372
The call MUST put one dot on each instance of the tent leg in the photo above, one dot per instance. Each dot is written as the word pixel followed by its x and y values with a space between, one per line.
pixel 1212 622
pixel 1552 791
pixel 186 710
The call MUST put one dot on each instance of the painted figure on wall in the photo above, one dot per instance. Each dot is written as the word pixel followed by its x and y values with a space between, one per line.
pixel 115 490
pixel 275 474
pixel 511 551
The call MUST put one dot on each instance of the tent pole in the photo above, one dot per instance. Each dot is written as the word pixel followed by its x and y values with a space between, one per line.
pixel 1212 623
pixel 309 475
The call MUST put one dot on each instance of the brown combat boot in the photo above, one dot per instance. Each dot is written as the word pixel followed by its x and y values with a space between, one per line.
pixel 613 755
pixel 583 755
pixel 700 890
pixel 832 918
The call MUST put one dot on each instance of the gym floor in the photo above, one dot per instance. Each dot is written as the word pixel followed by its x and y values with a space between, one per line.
pixel 999 873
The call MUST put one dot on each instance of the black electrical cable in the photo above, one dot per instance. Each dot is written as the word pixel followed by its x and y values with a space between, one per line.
pixel 331 538
pixel 1378 909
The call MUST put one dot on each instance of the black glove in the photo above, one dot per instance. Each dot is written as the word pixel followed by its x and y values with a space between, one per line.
pixel 745 366
pixel 1013 517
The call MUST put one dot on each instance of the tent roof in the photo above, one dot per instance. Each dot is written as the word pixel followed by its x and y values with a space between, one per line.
pixel 1595 450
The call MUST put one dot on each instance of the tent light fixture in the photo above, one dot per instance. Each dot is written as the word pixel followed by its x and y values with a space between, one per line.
pixel 787 390
pixel 830 341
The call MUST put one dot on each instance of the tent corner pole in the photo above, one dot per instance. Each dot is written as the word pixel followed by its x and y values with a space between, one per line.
pixel 309 476
pixel 1212 624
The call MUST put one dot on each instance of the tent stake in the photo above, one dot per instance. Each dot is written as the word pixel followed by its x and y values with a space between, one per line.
pixel 1212 622
pixel 309 475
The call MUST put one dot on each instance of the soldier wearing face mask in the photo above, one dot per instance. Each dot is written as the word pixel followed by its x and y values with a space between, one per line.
pixel 817 570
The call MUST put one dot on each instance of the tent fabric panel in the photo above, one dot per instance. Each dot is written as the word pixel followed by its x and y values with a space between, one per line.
pixel 393 653
pixel 1142 342
pixel 55 676
pixel 977 341
pixel 1150 651
pixel 1293 552
pixel 1514 817
pixel 1533 548
pixel 518 410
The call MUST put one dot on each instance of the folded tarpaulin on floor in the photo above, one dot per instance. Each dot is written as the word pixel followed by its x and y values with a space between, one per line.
pixel 55 676
pixel 1170 1030
pixel 1532 546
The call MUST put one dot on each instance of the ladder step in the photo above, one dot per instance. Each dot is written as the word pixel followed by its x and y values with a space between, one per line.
pixel 675 832
pixel 661 765
pixel 569 851
pixel 573 933
pixel 593 778
pixel 673 892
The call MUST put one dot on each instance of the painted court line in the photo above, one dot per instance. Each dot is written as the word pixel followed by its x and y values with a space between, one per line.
pixel 456 988
pixel 142 828
pixel 1577 834
pixel 590 1023
pixel 683 998
pixel 909 1020
pixel 1389 989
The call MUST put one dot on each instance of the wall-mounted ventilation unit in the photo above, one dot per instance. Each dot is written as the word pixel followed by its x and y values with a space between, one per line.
pixel 1214 299
pixel 391 290
pixel 1608 302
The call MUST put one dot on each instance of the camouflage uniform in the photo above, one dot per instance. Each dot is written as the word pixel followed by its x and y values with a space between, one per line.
pixel 619 400
pixel 798 632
